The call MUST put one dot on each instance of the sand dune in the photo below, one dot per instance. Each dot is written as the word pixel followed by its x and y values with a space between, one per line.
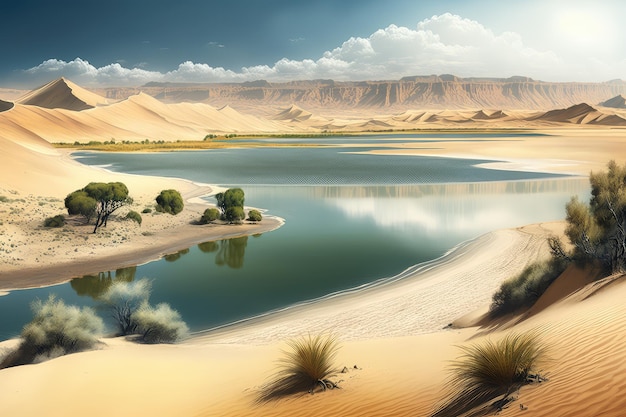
pixel 618 102
pixel 64 94
pixel 5 105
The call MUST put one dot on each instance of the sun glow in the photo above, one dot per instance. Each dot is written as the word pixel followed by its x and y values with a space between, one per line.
pixel 586 27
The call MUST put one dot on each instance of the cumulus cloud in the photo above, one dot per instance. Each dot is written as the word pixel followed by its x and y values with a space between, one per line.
pixel 441 44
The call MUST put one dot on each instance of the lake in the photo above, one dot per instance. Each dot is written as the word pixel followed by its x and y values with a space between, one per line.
pixel 350 219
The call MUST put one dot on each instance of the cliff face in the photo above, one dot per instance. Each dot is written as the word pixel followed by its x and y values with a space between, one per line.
pixel 436 92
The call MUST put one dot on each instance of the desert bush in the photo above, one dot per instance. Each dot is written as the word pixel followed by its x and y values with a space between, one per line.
pixel 526 288
pixel 56 329
pixel 488 370
pixel 210 215
pixel 255 216
pixel 133 215
pixel 308 365
pixel 56 221
pixel 160 324
pixel 146 210
pixel 4 199
pixel 170 201
pixel 123 299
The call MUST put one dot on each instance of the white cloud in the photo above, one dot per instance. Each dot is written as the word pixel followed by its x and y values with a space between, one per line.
pixel 441 44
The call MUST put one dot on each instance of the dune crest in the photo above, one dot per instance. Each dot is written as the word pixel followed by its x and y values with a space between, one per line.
pixel 63 94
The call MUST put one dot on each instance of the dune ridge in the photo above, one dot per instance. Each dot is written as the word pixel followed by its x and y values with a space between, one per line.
pixel 64 94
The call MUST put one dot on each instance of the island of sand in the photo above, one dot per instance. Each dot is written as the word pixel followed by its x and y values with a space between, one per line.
pixel 396 343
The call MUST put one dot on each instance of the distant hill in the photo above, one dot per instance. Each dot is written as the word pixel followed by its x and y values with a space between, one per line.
pixel 427 92
pixel 62 94
pixel 617 102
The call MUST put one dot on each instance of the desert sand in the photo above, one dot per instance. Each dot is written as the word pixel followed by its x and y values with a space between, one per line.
pixel 396 339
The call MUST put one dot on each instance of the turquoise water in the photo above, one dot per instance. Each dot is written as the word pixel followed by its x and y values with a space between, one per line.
pixel 350 219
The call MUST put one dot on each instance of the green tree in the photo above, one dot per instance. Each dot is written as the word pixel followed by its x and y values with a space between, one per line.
pixel 233 197
pixel 598 230
pixel 98 198
pixel 234 214
pixel 170 201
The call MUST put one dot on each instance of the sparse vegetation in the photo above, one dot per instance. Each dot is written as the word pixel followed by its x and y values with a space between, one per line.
pixel 133 314
pixel 305 367
pixel 56 329
pixel 210 215
pixel 4 199
pixel 488 370
pixel 56 221
pixel 123 299
pixel 133 215
pixel 146 210
pixel 526 288
pixel 160 324
pixel 169 201
pixel 255 216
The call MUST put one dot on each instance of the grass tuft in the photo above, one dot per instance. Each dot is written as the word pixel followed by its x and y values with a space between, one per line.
pixel 305 367
pixel 490 370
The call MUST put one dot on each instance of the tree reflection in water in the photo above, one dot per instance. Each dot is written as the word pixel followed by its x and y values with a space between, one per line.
pixel 95 285
pixel 230 252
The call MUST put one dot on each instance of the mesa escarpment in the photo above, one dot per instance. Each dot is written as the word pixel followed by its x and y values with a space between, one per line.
pixel 431 92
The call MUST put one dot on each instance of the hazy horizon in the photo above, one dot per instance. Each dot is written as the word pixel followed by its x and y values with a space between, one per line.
pixel 131 43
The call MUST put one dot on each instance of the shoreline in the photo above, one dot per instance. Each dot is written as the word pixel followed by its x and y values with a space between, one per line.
pixel 466 277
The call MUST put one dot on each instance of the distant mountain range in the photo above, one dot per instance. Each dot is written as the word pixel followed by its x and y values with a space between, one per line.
pixel 427 92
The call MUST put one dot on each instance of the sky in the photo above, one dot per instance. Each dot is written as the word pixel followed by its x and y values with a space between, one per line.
pixel 98 43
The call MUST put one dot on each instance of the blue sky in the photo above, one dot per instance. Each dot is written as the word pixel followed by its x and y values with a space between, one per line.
pixel 131 42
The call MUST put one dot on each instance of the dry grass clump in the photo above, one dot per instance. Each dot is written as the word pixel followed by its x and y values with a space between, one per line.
pixel 306 367
pixel 490 370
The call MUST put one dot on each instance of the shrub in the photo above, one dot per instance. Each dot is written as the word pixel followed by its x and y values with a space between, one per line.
pixel 491 369
pixel 56 221
pixel 160 324
pixel 133 215
pixel 526 288
pixel 210 215
pixel 234 214
pixel 56 329
pixel 255 216
pixel 146 210
pixel 123 299
pixel 170 201
pixel 306 366
pixel 4 199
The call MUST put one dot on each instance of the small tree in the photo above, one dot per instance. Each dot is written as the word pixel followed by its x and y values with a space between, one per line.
pixel 210 215
pixel 255 216
pixel 170 201
pixel 598 230
pixel 98 198
pixel 233 197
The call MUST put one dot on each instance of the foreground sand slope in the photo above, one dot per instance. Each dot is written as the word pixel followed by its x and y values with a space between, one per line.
pixel 216 375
